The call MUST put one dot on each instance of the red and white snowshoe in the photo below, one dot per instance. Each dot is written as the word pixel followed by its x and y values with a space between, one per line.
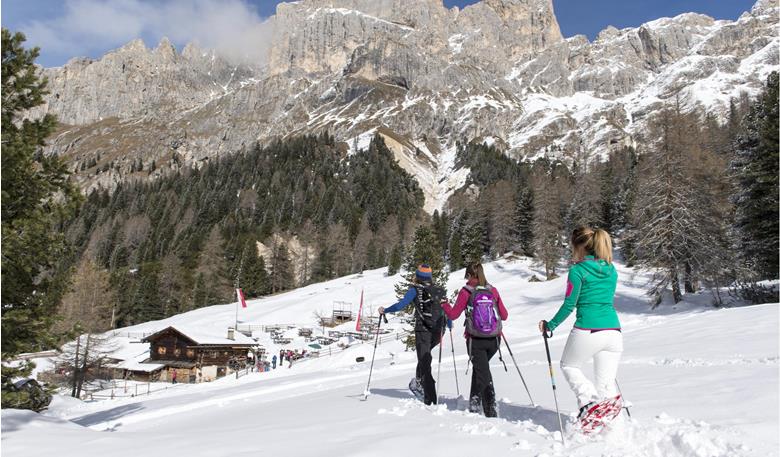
pixel 599 415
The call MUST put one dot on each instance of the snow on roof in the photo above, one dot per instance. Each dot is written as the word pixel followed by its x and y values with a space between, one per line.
pixel 208 335
pixel 134 365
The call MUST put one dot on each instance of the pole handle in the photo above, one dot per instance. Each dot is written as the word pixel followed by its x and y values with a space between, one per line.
pixel 546 330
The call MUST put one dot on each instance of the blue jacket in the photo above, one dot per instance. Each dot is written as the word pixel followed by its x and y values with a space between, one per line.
pixel 408 298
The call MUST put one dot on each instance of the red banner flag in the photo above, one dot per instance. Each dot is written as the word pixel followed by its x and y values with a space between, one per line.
pixel 360 312
pixel 241 297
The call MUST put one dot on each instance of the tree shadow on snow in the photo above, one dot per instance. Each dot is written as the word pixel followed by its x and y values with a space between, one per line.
pixel 108 415
pixel 17 421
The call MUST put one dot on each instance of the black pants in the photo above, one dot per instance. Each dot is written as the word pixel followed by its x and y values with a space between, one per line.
pixel 482 391
pixel 425 341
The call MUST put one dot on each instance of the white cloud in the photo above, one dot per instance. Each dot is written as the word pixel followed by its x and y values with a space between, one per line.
pixel 91 27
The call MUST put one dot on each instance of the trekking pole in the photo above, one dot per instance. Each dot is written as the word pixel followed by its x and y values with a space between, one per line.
pixel 454 365
pixel 624 398
pixel 552 376
pixel 438 368
pixel 371 370
pixel 517 367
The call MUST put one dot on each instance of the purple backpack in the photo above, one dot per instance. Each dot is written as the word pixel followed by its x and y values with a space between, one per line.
pixel 482 317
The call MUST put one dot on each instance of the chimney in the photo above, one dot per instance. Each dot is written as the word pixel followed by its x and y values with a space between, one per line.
pixel 231 333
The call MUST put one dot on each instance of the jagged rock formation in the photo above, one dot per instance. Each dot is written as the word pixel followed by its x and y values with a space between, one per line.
pixel 420 74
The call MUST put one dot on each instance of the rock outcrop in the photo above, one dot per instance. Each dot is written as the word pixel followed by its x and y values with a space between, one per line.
pixel 420 74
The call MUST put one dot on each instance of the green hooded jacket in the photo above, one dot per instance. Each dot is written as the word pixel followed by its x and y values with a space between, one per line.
pixel 591 289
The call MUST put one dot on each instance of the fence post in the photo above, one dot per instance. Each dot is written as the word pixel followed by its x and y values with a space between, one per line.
pixel 148 388
pixel 136 390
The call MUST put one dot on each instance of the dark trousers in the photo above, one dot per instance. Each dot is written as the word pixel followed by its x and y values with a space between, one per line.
pixel 425 341
pixel 482 391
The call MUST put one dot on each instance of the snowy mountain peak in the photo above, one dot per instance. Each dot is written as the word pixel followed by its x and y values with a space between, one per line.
pixel 422 75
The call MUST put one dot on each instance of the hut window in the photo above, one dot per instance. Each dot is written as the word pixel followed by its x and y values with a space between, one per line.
pixel 190 353
pixel 226 353
pixel 161 350
pixel 177 352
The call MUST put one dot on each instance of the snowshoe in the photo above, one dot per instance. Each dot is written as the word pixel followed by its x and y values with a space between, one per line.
pixel 595 416
pixel 475 405
pixel 416 388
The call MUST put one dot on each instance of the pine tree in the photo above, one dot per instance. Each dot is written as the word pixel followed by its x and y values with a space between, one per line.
pixel 547 224
pixel 213 265
pixel 586 205
pixel 281 269
pixel 254 279
pixel 360 248
pixel 88 303
pixel 323 267
pixel 31 181
pixel 396 258
pixel 669 212
pixel 441 227
pixel 148 306
pixel 524 220
pixel 754 167
pixel 455 253
pixel 501 211
pixel 200 293
pixel 471 246
pixel 424 249
pixel 171 285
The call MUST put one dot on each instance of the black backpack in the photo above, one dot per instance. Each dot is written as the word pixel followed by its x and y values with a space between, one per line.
pixel 427 307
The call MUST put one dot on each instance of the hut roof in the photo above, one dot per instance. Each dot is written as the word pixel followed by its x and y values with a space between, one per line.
pixel 206 336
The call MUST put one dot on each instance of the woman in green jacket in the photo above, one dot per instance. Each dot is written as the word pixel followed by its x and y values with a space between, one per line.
pixel 596 334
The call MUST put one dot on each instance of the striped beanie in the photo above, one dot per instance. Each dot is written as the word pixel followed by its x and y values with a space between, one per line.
pixel 424 272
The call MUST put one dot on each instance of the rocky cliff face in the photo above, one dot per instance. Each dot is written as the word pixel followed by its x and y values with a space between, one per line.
pixel 420 74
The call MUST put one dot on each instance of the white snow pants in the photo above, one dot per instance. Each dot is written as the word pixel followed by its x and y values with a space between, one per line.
pixel 605 348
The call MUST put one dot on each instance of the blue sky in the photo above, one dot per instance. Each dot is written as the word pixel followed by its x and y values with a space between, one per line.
pixel 69 28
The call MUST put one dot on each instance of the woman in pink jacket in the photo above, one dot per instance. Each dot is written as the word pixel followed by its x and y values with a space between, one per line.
pixel 483 333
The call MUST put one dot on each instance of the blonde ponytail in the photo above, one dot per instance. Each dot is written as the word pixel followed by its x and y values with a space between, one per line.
pixel 602 245
pixel 585 240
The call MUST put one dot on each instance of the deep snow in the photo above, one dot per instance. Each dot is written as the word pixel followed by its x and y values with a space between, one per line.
pixel 703 382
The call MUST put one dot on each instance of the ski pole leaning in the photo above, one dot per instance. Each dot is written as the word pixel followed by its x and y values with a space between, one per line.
pixel 454 365
pixel 438 368
pixel 517 368
pixel 545 331
pixel 371 370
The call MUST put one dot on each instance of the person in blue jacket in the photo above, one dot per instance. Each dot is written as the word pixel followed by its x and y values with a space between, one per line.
pixel 429 327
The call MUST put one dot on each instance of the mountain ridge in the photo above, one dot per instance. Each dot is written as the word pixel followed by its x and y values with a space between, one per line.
pixel 422 75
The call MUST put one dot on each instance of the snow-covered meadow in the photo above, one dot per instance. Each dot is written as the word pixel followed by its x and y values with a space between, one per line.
pixel 703 382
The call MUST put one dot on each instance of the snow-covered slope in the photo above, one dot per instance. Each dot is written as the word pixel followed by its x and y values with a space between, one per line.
pixel 703 382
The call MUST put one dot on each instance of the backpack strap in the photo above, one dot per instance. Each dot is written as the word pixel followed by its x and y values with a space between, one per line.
pixel 418 301
pixel 471 291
